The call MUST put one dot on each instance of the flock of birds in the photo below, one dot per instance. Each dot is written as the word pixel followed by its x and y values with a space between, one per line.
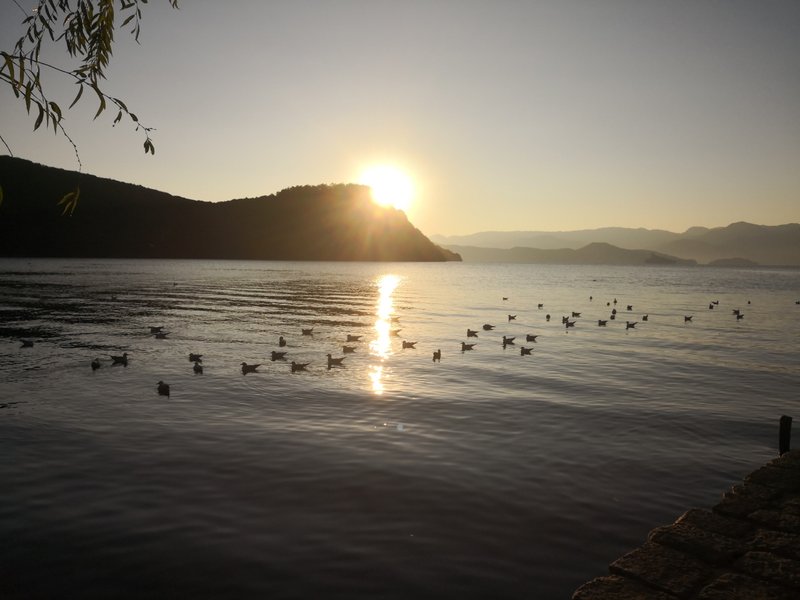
pixel 569 321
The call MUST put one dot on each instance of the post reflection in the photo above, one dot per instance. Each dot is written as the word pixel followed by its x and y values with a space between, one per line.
pixel 381 346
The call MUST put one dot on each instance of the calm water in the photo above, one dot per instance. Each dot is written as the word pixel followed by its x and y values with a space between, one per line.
pixel 489 474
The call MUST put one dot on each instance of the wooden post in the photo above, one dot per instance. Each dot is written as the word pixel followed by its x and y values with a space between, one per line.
pixel 785 435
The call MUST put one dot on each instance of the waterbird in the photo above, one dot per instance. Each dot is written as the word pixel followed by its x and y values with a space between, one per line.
pixel 710 307
pixel 736 311
pixel 613 311
pixel 615 300
pixel 564 319
pixel 309 331
pixel 540 306
pixel 198 368
pixel 687 319
pixel 715 302
pixel 531 338
pixel 508 340
pixel 335 362
pixel 437 355
pixel 298 366
pixel 487 327
pixel 523 350
pixel 353 338
pixel 163 389
pixel 26 344
pixel 395 331
pixel 156 329
pixel 465 346
pixel 612 316
pixel 472 333
pixel 601 322
pixel 547 317
pixel 568 324
pixel 512 317
pixel 740 316
pixel 576 314
pixel 281 342
pixel 249 368
pixel 645 317
pixel 590 298
pixel 630 324
pixel 195 357
pixel 630 306
pixel 95 364
pixel 161 335
pixel 277 356
pixel 119 360
pixel 505 297
pixel 408 344
pixel 348 349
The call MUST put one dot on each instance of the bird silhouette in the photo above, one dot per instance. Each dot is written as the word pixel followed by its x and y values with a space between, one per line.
pixel 437 355
pixel 198 368
pixel 465 347
pixel 353 338
pixel 277 356
pixel 472 333
pixel 120 360
pixel 195 357
pixel 531 338
pixel 601 323
pixel 298 366
pixel 309 331
pixel 163 389
pixel 95 364
pixel 408 344
pixel 335 362
pixel 523 350
pixel 249 368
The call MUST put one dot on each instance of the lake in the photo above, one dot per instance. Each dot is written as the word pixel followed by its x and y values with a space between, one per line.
pixel 488 474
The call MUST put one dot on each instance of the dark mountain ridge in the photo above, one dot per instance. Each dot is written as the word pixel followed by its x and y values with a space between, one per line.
pixel 775 245
pixel 597 253
pixel 122 220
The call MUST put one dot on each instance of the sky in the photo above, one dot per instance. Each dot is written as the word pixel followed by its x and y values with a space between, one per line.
pixel 529 115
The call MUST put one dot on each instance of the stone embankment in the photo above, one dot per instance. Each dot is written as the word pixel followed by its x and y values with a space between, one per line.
pixel 745 547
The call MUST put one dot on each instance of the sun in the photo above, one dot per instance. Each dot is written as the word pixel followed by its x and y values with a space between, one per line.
pixel 390 186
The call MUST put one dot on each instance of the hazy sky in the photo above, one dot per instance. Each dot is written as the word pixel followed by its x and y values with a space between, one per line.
pixel 508 115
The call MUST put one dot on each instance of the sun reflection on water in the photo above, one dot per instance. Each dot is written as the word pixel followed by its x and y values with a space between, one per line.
pixel 381 346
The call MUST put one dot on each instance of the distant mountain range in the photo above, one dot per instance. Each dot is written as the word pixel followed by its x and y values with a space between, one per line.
pixel 738 244
pixel 597 253
pixel 115 219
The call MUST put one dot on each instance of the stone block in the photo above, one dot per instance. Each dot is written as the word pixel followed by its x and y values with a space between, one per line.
pixel 613 587
pixel 664 569
pixel 785 480
pixel 733 586
pixel 708 547
pixel 765 565
pixel 777 542
pixel 776 519
pixel 716 523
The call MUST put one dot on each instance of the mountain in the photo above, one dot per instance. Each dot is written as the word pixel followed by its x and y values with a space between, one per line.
pixel 777 245
pixel 115 219
pixel 616 236
pixel 766 245
pixel 592 254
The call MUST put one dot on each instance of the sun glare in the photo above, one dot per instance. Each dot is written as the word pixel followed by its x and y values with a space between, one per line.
pixel 390 186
